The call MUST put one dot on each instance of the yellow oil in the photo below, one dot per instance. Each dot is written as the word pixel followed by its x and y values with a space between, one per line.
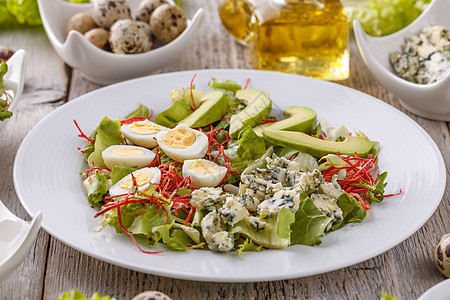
pixel 235 16
pixel 305 37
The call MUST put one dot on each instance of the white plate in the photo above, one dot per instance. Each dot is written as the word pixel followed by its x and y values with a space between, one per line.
pixel 440 291
pixel 47 165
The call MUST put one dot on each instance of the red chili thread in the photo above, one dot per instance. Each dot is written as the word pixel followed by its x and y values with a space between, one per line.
pixel 82 135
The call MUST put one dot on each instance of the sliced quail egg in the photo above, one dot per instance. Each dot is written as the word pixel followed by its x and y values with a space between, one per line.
pixel 142 133
pixel 182 143
pixel 143 178
pixel 203 173
pixel 126 155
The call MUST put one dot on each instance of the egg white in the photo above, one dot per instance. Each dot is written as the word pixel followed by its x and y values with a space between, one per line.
pixel 205 178
pixel 127 155
pixel 147 137
pixel 139 175
pixel 197 150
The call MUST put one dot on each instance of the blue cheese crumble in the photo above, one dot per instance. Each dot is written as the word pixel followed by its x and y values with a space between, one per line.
pixel 425 58
pixel 208 198
pixel 221 242
pixel 211 224
pixel 233 211
pixel 328 206
pixel 284 198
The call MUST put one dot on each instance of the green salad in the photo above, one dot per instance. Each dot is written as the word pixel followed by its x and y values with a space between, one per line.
pixel 5 97
pixel 218 171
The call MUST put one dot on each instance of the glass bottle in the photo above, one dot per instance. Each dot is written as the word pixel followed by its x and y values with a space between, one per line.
pixel 235 16
pixel 307 37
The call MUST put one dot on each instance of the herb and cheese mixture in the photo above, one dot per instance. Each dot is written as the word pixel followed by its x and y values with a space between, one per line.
pixel 425 58
pixel 216 171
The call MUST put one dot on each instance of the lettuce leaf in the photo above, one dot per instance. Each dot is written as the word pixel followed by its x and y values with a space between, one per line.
pixel 96 186
pixel 310 223
pixel 141 111
pixel 77 295
pixel 106 134
pixel 251 146
pixel 144 223
pixel 176 239
pixel 227 85
pixel 175 113
pixel 119 172
pixel 352 210
pixel 247 245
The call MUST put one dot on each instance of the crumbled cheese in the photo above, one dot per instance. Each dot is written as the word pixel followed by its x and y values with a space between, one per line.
pixel 233 211
pixel 249 199
pixel 208 198
pixel 328 206
pixel 426 56
pixel 221 242
pixel 257 224
pixel 331 189
pixel 310 180
pixel 284 198
pixel 211 224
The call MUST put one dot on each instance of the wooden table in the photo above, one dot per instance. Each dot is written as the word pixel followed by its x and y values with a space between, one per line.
pixel 406 271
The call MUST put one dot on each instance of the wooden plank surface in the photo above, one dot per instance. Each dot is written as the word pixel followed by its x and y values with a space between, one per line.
pixel 52 267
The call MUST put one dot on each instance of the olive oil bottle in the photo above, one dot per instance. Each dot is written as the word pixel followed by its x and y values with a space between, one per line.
pixel 307 37
pixel 235 16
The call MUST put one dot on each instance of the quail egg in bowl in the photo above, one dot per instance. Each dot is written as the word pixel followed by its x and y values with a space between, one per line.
pixel 143 178
pixel 127 155
pixel 203 173
pixel 142 133
pixel 106 67
pixel 182 143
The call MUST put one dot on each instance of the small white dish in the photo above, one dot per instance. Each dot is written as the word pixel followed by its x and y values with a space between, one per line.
pixel 16 239
pixel 428 100
pixel 14 79
pixel 440 291
pixel 101 66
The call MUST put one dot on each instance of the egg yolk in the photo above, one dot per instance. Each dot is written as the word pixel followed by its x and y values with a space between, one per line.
pixel 204 167
pixel 145 128
pixel 127 152
pixel 179 138
pixel 141 179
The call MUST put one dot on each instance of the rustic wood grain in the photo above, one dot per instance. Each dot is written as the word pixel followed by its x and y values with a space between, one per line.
pixel 52 267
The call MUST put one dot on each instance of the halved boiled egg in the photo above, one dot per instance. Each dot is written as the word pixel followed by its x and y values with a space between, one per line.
pixel 142 133
pixel 182 143
pixel 203 173
pixel 126 155
pixel 143 178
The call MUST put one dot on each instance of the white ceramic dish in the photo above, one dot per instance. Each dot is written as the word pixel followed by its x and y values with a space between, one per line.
pixel 14 79
pixel 101 66
pixel 430 101
pixel 410 156
pixel 16 239
pixel 440 291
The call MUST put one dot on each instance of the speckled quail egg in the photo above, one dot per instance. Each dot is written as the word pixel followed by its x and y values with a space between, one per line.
pixel 143 178
pixel 127 37
pixel 182 143
pixel 151 295
pixel 5 53
pixel 106 12
pixel 146 8
pixel 98 36
pixel 168 22
pixel 142 133
pixel 81 22
pixel 203 173
pixel 126 155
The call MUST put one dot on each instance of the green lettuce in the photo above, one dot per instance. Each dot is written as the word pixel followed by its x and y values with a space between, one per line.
pixel 96 186
pixel 227 85
pixel 310 223
pixel 77 295
pixel 247 245
pixel 150 216
pixel 352 210
pixel 176 239
pixel 106 134
pixel 251 146
pixel 175 113
pixel 119 172
pixel 141 111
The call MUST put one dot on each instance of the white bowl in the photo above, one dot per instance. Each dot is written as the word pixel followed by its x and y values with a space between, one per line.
pixel 102 66
pixel 14 80
pixel 427 100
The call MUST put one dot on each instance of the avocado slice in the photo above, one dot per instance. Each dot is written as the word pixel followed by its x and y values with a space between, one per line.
pixel 185 96
pixel 298 118
pixel 258 107
pixel 359 144
pixel 213 106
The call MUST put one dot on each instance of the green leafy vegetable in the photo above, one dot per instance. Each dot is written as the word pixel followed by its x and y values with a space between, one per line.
pixel 96 186
pixel 175 113
pixel 382 17
pixel 4 112
pixel 251 146
pixel 176 239
pixel 310 223
pixel 119 172
pixel 106 134
pixel 385 296
pixel 248 245
pixel 141 111
pixel 77 295
pixel 352 211
pixel 227 85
